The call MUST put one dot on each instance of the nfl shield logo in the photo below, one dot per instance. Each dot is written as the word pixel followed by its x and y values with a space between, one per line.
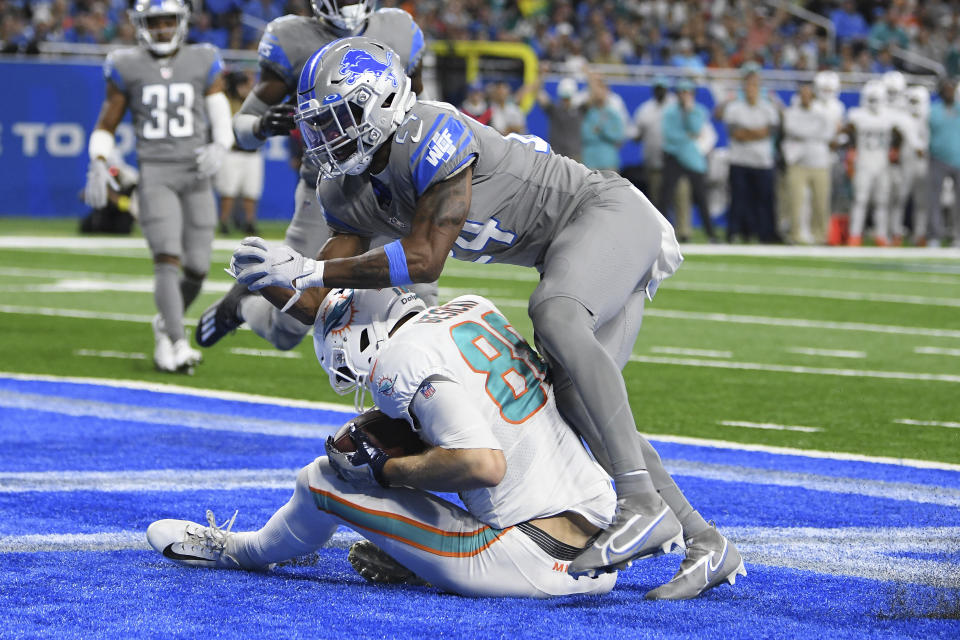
pixel 165 73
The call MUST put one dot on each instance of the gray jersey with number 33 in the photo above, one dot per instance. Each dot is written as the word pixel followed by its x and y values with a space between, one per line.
pixel 166 98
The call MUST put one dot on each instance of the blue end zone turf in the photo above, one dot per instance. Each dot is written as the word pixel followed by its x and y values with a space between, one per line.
pixel 834 549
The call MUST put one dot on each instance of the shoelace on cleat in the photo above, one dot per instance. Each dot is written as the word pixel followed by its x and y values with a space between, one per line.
pixel 213 537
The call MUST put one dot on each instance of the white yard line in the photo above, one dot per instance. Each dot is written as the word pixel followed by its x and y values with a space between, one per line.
pixel 929 423
pixel 268 353
pixel 768 425
pixel 780 368
pixel 151 480
pixel 824 294
pixel 679 351
pixel 873 275
pixel 830 353
pixel 87 285
pixel 123 355
pixel 693 316
pixel 806 453
pixel 803 323
pixel 181 390
pixel 936 351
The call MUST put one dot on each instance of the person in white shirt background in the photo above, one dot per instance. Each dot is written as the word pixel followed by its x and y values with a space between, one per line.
pixel 807 132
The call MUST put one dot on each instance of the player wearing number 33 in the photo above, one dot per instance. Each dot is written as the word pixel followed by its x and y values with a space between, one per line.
pixel 445 185
pixel 175 94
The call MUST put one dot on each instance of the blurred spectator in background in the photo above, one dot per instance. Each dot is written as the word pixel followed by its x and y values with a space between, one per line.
pixel 506 117
pixel 944 161
pixel 683 123
pixel 603 128
pixel 807 132
pixel 476 105
pixel 751 121
pixel 648 123
pixel 848 22
pixel 241 175
pixel 564 119
pixel 888 32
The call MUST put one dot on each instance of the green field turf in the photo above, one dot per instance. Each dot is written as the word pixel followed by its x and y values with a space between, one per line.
pixel 844 346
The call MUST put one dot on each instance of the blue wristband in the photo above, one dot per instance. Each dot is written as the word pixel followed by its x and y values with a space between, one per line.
pixel 398 264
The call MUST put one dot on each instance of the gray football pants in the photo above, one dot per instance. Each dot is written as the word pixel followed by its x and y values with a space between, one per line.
pixel 587 313
pixel 307 233
pixel 177 214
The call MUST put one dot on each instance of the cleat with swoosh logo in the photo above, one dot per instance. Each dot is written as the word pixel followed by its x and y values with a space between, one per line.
pixel 711 559
pixel 192 544
pixel 634 535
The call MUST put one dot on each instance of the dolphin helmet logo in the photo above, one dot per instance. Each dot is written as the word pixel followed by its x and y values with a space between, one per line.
pixel 338 315
pixel 356 63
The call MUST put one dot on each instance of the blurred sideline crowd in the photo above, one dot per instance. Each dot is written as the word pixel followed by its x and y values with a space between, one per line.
pixel 695 34
pixel 804 172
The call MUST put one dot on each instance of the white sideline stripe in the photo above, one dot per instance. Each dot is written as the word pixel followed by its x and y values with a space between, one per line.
pixel 833 274
pixel 158 387
pixel 123 355
pixel 268 353
pixel 168 480
pixel 816 293
pixel 86 285
pixel 170 417
pixel 115 541
pixel 854 551
pixel 781 368
pixel 695 316
pixel 707 353
pixel 830 353
pixel 347 409
pixel 76 242
pixel 936 351
pixel 768 425
pixel 929 423
pixel 805 453
pixel 800 322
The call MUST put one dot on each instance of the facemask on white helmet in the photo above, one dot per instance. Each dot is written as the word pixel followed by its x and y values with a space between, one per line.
pixel 351 328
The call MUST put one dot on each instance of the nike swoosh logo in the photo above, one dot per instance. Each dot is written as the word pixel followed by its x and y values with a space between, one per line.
pixel 636 542
pixel 289 259
pixel 168 552
pixel 712 569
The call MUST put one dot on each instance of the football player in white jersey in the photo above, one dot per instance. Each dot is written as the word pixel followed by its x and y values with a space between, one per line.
pixel 871 128
pixel 914 165
pixel 182 120
pixel 478 396
pixel 895 85
pixel 827 88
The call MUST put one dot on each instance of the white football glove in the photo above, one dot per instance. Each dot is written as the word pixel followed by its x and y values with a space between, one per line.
pixel 210 158
pixel 257 264
pixel 98 179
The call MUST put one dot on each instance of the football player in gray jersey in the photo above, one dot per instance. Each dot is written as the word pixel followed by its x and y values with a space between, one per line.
pixel 445 185
pixel 285 47
pixel 182 120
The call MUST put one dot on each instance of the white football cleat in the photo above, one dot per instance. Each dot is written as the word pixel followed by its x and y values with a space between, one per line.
pixel 185 356
pixel 711 559
pixel 192 544
pixel 163 356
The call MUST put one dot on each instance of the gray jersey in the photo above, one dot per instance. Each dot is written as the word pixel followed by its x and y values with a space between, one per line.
pixel 289 41
pixel 523 194
pixel 166 98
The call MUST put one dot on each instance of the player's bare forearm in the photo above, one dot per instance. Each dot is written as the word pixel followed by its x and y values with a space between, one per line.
pixel 440 469
pixel 270 88
pixel 111 113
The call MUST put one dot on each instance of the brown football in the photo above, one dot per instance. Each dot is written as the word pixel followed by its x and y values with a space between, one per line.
pixel 394 436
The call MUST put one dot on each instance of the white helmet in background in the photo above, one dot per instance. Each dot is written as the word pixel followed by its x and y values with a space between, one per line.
pixel 161 40
pixel 343 15
pixel 895 85
pixel 874 96
pixel 918 101
pixel 351 328
pixel 827 84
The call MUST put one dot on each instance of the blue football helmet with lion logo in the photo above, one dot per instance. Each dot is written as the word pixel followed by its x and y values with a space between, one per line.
pixel 353 94
pixel 352 326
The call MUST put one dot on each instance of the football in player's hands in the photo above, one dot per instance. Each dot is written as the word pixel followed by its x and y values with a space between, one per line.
pixel 393 436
